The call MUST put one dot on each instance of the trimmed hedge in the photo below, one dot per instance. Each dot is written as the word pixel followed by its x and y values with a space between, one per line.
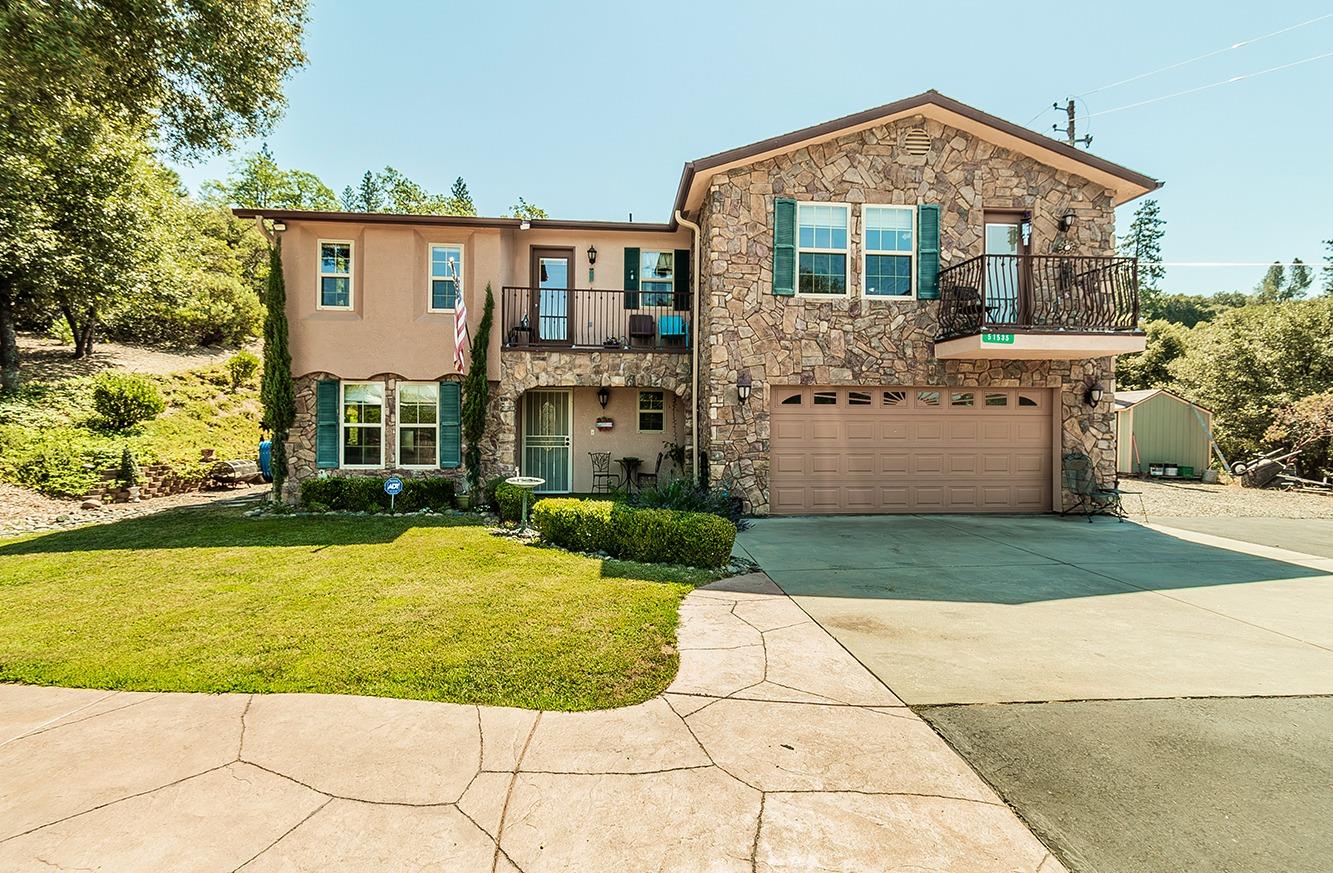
pixel 366 494
pixel 508 501
pixel 658 536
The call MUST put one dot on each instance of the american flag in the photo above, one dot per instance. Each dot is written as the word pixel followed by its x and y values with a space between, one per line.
pixel 462 341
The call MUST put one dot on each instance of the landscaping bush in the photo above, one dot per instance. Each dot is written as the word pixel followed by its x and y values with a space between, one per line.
pixel 125 399
pixel 577 525
pixel 241 368
pixel 348 494
pixel 659 536
pixel 435 493
pixel 687 497
pixel 508 501
pixel 488 491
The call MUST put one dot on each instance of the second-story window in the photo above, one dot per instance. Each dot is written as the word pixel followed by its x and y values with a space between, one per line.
pixel 446 266
pixel 656 278
pixel 821 248
pixel 889 243
pixel 335 274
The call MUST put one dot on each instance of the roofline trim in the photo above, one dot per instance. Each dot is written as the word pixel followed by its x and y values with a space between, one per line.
pixel 456 220
pixel 1153 392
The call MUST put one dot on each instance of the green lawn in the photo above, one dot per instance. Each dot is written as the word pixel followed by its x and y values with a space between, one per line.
pixel 434 609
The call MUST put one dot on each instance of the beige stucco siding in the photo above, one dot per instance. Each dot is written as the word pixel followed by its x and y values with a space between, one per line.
pixel 624 439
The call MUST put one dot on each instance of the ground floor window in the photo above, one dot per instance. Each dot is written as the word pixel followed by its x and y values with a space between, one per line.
pixel 652 412
pixel 418 424
pixel 363 424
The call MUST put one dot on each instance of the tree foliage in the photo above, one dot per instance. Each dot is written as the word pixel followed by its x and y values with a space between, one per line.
pixel 1307 426
pixel 524 209
pixel 277 395
pixel 1144 241
pixel 257 182
pixel 1326 271
pixel 1151 368
pixel 388 190
pixel 476 396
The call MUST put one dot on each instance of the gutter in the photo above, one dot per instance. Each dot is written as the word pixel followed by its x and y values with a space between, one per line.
pixel 694 346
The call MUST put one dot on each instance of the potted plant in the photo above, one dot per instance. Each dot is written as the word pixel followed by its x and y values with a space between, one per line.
pixel 129 474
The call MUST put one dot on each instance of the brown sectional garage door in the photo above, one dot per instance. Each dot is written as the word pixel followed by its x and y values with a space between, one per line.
pixel 891 449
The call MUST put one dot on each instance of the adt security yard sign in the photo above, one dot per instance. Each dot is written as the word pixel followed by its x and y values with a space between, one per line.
pixel 393 486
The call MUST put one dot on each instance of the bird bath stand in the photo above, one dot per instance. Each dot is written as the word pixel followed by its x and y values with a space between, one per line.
pixel 528 484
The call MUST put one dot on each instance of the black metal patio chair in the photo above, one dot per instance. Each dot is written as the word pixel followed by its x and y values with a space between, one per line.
pixel 649 480
pixel 603 480
pixel 1091 497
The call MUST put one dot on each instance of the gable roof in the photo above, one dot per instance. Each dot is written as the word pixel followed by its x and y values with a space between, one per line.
pixel 1124 183
pixel 1126 399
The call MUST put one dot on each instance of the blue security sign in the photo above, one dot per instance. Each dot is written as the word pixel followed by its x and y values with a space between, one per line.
pixel 393 485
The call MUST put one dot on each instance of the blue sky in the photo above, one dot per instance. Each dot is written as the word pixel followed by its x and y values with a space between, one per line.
pixel 590 109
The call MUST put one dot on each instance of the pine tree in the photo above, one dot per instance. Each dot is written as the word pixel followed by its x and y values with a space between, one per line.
pixel 1272 288
pixel 1299 280
pixel 476 396
pixel 1326 274
pixel 276 394
pixel 460 199
pixel 1144 241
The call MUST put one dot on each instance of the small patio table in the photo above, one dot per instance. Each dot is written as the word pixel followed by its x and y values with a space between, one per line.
pixel 631 466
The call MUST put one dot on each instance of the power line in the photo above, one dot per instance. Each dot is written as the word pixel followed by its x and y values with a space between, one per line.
pixel 1213 85
pixel 1206 55
pixel 1310 264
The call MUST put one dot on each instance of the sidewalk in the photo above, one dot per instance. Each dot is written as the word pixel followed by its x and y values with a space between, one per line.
pixel 772 751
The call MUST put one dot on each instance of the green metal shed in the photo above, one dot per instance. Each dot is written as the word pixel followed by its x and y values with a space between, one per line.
pixel 1155 426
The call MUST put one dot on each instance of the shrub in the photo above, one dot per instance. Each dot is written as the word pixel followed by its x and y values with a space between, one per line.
pixel 661 536
pixel 570 523
pixel 125 399
pixel 348 494
pixel 687 497
pixel 435 493
pixel 509 501
pixel 488 493
pixel 241 368
pixel 129 467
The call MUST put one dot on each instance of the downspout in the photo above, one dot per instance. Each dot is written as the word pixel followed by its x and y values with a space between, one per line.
pixel 694 348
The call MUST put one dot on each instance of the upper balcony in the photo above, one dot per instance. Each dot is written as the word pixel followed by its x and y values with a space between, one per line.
pixel 583 319
pixel 1043 307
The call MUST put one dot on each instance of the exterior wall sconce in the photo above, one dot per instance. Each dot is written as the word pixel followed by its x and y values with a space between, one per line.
pixel 1092 392
pixel 592 255
pixel 525 225
pixel 603 396
pixel 743 386
pixel 1067 222
pixel 279 226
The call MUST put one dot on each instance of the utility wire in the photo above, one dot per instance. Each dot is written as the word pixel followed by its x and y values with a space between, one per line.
pixel 1213 85
pixel 1207 55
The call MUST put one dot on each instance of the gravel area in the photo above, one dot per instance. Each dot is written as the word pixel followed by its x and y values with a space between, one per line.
pixel 1154 498
pixel 24 511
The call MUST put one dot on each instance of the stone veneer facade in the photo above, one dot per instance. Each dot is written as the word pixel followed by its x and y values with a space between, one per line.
pixel 855 341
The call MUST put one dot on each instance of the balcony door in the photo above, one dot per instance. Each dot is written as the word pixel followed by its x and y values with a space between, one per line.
pixel 1007 273
pixel 552 298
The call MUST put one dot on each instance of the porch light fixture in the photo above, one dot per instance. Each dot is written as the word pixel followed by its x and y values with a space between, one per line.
pixel 525 225
pixel 279 226
pixel 743 385
pixel 1092 393
pixel 592 255
pixel 1067 222
pixel 603 395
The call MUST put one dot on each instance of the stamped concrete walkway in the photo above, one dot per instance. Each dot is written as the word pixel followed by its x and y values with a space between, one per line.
pixel 772 751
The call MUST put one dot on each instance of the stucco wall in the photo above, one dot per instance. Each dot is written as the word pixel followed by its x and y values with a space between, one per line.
pixel 854 341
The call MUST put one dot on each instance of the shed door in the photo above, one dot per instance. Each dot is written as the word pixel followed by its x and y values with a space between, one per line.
pixel 904 449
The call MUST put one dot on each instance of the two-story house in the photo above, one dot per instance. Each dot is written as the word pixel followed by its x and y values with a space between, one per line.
pixel 911 309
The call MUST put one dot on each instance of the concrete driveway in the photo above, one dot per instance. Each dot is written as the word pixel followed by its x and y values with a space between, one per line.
pixel 1148 699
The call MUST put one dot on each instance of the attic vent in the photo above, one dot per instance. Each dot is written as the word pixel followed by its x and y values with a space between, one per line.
pixel 916 142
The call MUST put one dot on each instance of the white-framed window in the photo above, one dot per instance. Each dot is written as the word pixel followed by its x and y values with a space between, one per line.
pixel 362 439
pixel 821 248
pixel 446 267
pixel 888 245
pixel 418 421
pixel 652 411
pixel 657 278
pixel 335 274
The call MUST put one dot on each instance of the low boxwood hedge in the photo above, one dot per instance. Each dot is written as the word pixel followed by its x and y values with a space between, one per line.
pixel 366 494
pixel 658 536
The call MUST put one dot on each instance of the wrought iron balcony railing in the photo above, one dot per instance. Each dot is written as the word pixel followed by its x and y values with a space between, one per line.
pixel 1039 293
pixel 586 319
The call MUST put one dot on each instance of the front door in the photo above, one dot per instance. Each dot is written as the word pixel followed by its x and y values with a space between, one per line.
pixel 552 300
pixel 1006 274
pixel 547 439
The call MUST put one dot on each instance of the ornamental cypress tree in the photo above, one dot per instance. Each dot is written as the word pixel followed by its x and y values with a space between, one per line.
pixel 275 389
pixel 476 396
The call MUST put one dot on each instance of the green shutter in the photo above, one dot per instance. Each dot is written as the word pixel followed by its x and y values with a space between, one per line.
pixel 784 246
pixel 928 251
pixel 451 439
pixel 326 424
pixel 682 268
pixel 631 278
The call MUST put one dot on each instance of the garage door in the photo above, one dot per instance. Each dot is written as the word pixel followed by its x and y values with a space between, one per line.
pixel 855 450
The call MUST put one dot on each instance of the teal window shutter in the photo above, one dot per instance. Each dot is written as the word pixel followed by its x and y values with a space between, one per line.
pixel 326 424
pixel 681 265
pixel 784 246
pixel 451 437
pixel 631 278
pixel 928 252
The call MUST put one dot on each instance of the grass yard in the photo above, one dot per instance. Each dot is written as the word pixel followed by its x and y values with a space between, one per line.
pixel 433 609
